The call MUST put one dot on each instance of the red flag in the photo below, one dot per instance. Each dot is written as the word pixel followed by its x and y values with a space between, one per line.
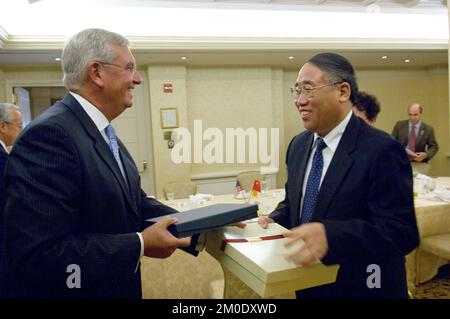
pixel 256 188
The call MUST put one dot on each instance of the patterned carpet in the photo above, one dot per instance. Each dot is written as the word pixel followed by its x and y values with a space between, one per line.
pixel 437 288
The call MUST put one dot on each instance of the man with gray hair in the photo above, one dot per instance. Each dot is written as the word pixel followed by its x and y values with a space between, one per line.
pixel 10 127
pixel 75 209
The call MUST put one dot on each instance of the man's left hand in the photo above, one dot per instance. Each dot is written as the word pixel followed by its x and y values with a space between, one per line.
pixel 420 156
pixel 316 243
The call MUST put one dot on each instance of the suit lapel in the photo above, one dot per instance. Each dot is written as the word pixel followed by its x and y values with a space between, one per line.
pixel 100 145
pixel 299 175
pixel 131 172
pixel 338 169
pixel 422 132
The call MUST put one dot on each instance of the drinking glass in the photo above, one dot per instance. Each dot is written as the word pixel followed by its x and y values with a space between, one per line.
pixel 171 197
pixel 264 186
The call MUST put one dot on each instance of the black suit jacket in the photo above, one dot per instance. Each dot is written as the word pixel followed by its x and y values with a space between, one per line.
pixel 3 158
pixel 366 205
pixel 425 141
pixel 67 203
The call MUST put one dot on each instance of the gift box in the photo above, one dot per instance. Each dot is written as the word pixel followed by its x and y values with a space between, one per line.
pixel 258 258
pixel 200 220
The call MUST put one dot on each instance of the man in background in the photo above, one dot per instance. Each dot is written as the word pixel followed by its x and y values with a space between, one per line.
pixel 418 138
pixel 366 107
pixel 10 126
pixel 75 209
pixel 348 191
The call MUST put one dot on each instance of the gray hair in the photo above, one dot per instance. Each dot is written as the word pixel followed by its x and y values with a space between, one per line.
pixel 5 111
pixel 84 47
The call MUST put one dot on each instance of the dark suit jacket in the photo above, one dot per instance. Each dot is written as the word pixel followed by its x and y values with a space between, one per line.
pixel 67 203
pixel 425 141
pixel 366 205
pixel 3 158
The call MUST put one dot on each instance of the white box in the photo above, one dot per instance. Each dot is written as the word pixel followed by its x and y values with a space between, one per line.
pixel 262 264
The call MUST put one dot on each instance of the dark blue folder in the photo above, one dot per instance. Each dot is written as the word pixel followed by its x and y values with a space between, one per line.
pixel 200 220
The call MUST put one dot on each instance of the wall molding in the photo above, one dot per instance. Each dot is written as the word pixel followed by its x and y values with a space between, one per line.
pixel 233 43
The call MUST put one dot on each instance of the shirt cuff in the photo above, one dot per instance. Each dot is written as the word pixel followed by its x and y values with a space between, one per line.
pixel 141 239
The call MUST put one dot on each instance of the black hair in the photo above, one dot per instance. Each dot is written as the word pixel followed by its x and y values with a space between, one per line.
pixel 338 69
pixel 368 104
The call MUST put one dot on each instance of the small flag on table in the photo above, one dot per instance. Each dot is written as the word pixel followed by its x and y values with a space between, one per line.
pixel 256 188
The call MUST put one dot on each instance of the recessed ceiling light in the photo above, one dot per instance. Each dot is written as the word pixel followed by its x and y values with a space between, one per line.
pixel 57 59
pixel 183 58
pixel 291 58
pixel 407 60
pixel 384 57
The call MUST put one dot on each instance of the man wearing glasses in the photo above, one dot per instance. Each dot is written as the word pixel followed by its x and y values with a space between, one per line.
pixel 348 191
pixel 75 208
pixel 10 127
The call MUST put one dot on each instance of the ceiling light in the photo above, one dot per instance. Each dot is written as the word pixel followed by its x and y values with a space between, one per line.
pixel 291 58
pixel 384 57
pixel 407 60
pixel 57 59
pixel 183 58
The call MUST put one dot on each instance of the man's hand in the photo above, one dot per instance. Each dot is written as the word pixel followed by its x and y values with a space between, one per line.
pixel 159 242
pixel 316 243
pixel 420 156
pixel 264 221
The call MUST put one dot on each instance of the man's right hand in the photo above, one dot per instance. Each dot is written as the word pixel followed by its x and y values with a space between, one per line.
pixel 264 221
pixel 159 242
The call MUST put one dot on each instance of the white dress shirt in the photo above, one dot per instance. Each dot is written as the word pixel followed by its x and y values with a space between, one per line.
pixel 101 122
pixel 332 140
pixel 4 146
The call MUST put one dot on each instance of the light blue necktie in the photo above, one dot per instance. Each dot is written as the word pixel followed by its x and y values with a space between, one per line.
pixel 312 185
pixel 111 134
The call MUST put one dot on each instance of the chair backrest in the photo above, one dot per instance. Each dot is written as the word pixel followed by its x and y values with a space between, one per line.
pixel 246 179
pixel 181 189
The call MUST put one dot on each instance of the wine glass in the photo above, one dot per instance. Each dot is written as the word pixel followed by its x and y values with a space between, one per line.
pixel 264 187
pixel 170 197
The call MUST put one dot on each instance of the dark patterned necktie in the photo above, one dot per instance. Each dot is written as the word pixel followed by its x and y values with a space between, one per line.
pixel 312 185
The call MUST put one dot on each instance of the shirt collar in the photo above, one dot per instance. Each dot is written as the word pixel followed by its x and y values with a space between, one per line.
pixel 334 136
pixel 100 120
pixel 4 146
pixel 416 125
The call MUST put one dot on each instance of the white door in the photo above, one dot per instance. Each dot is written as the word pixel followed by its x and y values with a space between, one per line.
pixel 23 100
pixel 134 130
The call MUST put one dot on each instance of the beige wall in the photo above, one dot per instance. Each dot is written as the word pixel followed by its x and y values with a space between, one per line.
pixel 164 169
pixel 231 98
pixel 396 90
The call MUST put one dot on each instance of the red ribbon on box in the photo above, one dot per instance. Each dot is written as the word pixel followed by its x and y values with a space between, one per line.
pixel 248 240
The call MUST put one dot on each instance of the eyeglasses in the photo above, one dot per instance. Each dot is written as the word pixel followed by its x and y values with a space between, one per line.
pixel 131 68
pixel 308 90
pixel 19 126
